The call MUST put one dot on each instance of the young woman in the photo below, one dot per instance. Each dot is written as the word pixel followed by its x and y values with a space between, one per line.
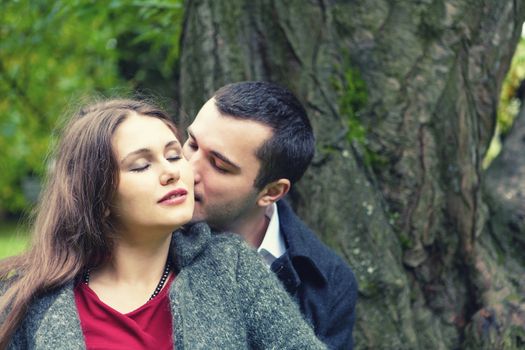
pixel 105 271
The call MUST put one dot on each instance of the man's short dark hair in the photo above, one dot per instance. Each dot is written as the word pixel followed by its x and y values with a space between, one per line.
pixel 289 151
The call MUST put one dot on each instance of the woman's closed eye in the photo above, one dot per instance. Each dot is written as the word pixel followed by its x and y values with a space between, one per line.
pixel 139 167
pixel 173 156
pixel 144 163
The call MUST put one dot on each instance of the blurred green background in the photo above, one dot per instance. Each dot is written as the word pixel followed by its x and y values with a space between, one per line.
pixel 53 53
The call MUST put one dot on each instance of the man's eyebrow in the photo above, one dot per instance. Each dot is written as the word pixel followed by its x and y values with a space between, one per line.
pixel 217 154
pixel 225 160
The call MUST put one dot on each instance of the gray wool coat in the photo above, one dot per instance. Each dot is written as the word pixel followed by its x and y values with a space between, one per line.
pixel 224 297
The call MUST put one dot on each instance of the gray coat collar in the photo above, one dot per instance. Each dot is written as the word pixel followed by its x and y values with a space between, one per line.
pixel 189 242
pixel 58 323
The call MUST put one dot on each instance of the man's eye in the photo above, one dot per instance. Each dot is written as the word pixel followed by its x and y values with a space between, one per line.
pixel 218 168
pixel 192 145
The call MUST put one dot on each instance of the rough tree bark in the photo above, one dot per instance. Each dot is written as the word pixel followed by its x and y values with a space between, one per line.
pixel 439 261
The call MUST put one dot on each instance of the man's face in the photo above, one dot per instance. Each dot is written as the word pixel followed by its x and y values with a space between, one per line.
pixel 221 150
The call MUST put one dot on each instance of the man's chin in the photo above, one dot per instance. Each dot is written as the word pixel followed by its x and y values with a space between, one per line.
pixel 195 220
pixel 197 217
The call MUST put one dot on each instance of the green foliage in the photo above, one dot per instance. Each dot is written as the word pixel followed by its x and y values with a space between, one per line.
pixel 352 98
pixel 148 35
pixel 52 52
pixel 46 57
pixel 509 104
pixel 406 241
pixel 13 239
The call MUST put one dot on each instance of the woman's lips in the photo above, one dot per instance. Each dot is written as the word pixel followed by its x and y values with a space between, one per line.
pixel 174 197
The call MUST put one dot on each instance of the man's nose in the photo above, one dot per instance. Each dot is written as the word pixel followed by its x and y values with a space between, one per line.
pixel 195 161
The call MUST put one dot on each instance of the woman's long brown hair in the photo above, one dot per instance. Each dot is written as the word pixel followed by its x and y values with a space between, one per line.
pixel 72 230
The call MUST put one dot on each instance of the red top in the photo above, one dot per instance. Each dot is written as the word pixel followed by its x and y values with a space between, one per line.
pixel 148 327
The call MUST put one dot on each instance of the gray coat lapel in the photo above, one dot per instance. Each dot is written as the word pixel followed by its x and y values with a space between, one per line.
pixel 54 322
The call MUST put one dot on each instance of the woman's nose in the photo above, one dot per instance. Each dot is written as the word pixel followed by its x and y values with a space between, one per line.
pixel 170 174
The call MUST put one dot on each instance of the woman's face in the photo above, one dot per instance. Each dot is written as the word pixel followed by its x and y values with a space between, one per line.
pixel 155 189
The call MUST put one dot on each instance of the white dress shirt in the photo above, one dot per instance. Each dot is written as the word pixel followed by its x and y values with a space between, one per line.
pixel 272 246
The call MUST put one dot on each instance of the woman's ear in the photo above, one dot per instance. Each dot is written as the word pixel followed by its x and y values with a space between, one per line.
pixel 272 192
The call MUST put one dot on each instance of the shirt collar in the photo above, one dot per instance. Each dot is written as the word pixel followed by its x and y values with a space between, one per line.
pixel 272 246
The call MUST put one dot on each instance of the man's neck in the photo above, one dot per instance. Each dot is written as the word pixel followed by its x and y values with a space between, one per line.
pixel 252 229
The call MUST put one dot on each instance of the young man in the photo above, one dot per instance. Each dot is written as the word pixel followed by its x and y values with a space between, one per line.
pixel 248 144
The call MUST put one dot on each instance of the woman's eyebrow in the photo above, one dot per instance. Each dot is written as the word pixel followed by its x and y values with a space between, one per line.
pixel 139 151
pixel 146 151
pixel 172 143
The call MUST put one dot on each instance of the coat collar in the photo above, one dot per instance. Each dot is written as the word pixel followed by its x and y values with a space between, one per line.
pixel 303 247
pixel 57 319
pixel 187 243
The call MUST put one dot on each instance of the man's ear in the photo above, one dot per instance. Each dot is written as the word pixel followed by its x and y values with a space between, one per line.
pixel 272 192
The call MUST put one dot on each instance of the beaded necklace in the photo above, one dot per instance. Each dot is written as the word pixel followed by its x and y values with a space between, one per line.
pixel 157 290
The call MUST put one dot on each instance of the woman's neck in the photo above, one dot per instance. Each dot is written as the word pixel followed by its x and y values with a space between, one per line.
pixel 129 278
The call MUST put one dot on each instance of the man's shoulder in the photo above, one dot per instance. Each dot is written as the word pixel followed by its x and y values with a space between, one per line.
pixel 303 242
pixel 328 287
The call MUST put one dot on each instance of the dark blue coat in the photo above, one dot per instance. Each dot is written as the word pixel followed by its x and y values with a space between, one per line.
pixel 319 280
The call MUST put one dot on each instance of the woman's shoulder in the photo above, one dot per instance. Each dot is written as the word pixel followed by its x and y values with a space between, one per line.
pixel 197 241
pixel 52 318
pixel 221 238
pixel 231 250
pixel 55 299
pixel 223 248
pixel 222 251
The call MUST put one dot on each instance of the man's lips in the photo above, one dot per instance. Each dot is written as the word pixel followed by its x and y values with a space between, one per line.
pixel 174 197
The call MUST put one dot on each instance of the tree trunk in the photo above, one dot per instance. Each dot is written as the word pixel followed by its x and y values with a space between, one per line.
pixel 403 101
